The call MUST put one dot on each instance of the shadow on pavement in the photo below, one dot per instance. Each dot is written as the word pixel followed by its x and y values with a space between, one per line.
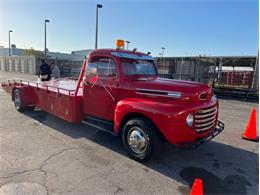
pixel 224 169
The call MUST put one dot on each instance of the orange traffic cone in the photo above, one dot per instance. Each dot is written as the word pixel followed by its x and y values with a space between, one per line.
pixel 250 132
pixel 197 187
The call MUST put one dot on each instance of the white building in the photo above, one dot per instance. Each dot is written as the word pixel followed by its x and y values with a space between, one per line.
pixel 78 55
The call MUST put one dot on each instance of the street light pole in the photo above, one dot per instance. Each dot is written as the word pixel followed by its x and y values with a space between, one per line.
pixel 45 44
pixel 163 48
pixel 159 59
pixel 127 44
pixel 96 40
pixel 10 42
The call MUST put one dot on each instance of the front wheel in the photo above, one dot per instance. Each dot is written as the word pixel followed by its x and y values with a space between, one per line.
pixel 17 100
pixel 140 139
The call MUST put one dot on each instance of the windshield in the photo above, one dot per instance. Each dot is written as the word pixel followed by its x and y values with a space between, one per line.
pixel 138 67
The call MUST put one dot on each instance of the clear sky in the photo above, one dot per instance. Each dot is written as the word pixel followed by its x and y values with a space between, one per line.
pixel 183 27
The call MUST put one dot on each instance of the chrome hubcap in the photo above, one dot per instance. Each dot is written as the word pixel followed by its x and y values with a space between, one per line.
pixel 17 100
pixel 137 140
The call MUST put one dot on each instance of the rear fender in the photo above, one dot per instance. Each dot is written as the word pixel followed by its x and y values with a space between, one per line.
pixel 157 112
pixel 27 95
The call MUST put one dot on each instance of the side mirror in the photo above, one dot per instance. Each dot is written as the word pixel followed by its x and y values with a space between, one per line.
pixel 91 73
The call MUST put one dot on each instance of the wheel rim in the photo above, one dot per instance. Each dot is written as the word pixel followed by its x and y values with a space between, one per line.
pixel 17 99
pixel 137 140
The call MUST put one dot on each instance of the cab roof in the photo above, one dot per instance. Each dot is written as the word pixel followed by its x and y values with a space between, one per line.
pixel 109 51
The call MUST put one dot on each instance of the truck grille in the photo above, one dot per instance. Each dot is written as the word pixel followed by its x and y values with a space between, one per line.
pixel 205 118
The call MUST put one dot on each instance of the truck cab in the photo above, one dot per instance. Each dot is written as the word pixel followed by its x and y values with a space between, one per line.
pixel 122 88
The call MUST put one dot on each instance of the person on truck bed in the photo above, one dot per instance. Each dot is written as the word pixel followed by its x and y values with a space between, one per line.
pixel 44 71
pixel 55 71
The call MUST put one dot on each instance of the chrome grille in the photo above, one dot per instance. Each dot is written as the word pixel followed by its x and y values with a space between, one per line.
pixel 205 118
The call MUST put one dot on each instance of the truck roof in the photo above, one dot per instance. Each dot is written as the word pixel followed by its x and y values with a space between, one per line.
pixel 109 51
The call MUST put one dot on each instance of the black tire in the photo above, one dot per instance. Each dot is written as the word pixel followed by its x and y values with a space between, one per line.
pixel 135 131
pixel 17 100
pixel 30 108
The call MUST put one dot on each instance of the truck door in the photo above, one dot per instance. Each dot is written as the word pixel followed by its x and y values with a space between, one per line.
pixel 101 88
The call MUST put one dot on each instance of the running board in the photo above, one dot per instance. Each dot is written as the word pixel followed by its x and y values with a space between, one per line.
pixel 100 124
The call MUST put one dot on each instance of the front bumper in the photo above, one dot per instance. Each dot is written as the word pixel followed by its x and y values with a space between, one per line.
pixel 218 129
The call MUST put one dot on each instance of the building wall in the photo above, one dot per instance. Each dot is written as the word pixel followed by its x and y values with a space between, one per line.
pixel 30 65
pixel 211 70
pixel 14 51
pixel 183 68
pixel 73 56
pixel 23 64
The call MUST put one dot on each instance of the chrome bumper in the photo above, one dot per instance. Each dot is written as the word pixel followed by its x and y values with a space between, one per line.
pixel 219 128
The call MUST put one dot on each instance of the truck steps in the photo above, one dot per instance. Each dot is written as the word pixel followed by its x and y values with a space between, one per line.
pixel 100 124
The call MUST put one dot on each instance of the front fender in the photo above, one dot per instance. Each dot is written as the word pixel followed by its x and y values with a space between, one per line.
pixel 159 113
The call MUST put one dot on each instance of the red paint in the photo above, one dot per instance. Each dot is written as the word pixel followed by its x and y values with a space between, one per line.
pixel 73 101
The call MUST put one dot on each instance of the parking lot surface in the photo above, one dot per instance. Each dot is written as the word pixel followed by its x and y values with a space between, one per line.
pixel 41 154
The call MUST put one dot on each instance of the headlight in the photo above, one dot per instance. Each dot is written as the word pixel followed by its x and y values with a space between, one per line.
pixel 189 120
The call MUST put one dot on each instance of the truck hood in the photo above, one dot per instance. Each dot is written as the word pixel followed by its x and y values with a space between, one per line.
pixel 188 90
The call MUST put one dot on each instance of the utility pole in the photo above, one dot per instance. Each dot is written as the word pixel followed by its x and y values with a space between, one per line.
pixel 214 73
pixel 96 40
pixel 45 44
pixel 181 69
pixel 256 73
pixel 159 59
pixel 220 69
pixel 163 48
pixel 9 33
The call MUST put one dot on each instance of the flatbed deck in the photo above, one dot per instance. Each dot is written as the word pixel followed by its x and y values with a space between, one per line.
pixel 66 86
pixel 62 98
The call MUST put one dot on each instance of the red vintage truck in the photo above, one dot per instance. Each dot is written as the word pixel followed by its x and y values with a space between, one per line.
pixel 119 91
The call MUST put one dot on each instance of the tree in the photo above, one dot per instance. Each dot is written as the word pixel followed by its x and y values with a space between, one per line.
pixel 33 52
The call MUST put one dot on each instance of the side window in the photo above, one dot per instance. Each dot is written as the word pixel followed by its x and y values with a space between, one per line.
pixel 112 71
pixel 91 70
pixel 106 67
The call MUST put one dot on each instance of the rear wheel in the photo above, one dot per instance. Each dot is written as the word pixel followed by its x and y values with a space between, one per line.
pixel 30 108
pixel 17 100
pixel 140 139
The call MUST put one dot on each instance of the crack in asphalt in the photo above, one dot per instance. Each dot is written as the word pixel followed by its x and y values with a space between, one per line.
pixel 19 172
pixel 45 181
pixel 40 168
pixel 10 162
pixel 45 162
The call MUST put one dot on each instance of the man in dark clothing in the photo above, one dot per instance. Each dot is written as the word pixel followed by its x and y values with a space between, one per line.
pixel 45 71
